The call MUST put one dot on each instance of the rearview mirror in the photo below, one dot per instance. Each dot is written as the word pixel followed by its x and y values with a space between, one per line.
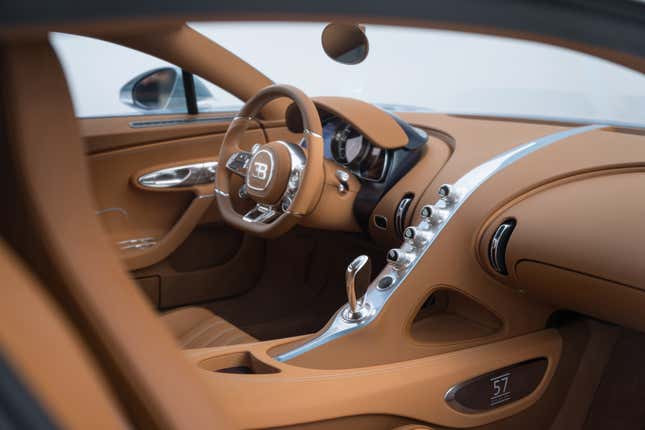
pixel 345 43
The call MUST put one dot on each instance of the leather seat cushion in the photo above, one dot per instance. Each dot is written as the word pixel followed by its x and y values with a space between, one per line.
pixel 196 327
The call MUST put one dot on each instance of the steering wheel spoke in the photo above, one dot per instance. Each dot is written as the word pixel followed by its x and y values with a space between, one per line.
pixel 261 213
pixel 238 163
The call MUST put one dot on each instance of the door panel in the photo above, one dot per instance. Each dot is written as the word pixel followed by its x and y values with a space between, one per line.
pixel 213 263
pixel 110 133
pixel 171 238
pixel 138 212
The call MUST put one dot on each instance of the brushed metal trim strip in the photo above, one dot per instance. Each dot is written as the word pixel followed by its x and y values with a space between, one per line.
pixel 178 121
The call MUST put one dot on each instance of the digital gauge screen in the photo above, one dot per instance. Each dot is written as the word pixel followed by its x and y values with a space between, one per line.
pixel 347 145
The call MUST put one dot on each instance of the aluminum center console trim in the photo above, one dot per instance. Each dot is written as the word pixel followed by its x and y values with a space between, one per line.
pixel 464 187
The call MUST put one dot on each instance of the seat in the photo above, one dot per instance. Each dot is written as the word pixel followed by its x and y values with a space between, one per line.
pixel 196 327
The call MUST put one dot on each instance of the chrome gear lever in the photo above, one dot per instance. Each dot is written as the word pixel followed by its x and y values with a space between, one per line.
pixel 357 275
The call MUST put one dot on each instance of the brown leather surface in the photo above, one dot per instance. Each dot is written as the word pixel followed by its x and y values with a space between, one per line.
pixel 412 389
pixel 299 282
pixel 167 215
pixel 452 262
pixel 592 151
pixel 618 400
pixel 116 132
pixel 213 263
pixel 413 427
pixel 335 210
pixel 374 123
pixel 463 127
pixel 566 224
pixel 574 409
pixel 452 317
pixel 147 361
pixel 72 251
pixel 196 327
pixel 435 155
pixel 587 294
pixel 170 240
pixel 49 356
pixel 311 181
pixel 357 422
pixel 574 252
pixel 270 189
pixel 539 416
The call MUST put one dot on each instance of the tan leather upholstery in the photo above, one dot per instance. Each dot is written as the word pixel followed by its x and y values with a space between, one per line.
pixel 65 242
pixel 196 327
pixel 413 427
pixel 52 361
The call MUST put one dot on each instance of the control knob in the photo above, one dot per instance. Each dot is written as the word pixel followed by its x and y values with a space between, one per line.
pixel 398 258
pixel 433 214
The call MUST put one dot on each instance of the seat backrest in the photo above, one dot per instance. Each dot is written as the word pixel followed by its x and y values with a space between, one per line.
pixel 48 356
pixel 52 225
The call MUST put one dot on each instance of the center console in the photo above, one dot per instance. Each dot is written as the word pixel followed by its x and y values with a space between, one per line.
pixel 464 388
pixel 446 359
pixel 435 339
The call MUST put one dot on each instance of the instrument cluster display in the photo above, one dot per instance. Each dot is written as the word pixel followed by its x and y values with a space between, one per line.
pixel 348 147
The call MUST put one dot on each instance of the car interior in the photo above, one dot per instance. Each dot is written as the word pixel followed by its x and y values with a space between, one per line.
pixel 312 261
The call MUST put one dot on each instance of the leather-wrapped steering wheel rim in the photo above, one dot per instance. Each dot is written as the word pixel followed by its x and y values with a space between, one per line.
pixel 294 203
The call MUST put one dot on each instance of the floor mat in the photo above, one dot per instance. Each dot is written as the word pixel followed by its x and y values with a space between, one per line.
pixel 302 284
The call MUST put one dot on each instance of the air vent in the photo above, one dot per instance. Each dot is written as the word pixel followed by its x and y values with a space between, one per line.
pixel 498 244
pixel 401 213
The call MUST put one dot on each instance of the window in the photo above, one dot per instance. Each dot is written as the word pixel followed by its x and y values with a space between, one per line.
pixel 103 78
pixel 443 71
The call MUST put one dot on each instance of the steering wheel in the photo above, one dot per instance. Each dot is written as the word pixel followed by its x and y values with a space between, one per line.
pixel 284 179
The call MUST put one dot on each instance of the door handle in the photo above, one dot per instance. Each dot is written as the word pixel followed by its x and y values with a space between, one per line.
pixel 180 176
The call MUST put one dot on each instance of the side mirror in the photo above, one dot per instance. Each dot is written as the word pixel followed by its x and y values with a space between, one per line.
pixel 345 43
pixel 162 90
pixel 152 90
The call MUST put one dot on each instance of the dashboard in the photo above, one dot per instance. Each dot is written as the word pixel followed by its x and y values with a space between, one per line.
pixel 348 147
pixel 375 146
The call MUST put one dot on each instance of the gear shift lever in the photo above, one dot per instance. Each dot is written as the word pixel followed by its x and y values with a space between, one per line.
pixel 357 275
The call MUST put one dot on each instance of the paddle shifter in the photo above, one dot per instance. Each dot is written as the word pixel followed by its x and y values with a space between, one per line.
pixel 357 275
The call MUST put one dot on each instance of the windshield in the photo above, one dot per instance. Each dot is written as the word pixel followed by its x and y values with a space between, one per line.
pixel 443 71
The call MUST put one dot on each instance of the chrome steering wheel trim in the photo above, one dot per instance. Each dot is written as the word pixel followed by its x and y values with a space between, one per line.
pixel 238 164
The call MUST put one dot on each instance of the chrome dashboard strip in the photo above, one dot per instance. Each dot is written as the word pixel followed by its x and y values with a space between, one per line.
pixel 464 187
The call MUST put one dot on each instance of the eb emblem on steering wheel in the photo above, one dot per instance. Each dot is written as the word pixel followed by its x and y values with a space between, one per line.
pixel 260 170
